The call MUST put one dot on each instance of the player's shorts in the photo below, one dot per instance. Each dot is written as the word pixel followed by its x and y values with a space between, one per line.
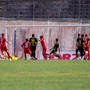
pixel 86 47
pixel 53 51
pixel 33 48
pixel 27 51
pixel 4 48
pixel 82 49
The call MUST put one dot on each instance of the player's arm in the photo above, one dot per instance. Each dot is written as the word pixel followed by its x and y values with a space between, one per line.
pixel 8 42
pixel 77 43
pixel 22 45
pixel 38 39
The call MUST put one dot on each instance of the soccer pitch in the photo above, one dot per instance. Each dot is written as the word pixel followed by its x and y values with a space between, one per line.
pixel 45 75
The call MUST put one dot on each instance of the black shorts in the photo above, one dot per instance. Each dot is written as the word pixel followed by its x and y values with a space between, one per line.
pixel 33 48
pixel 53 51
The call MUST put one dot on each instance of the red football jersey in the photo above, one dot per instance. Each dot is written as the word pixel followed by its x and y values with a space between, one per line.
pixel 3 41
pixel 43 43
pixel 26 45
pixel 88 41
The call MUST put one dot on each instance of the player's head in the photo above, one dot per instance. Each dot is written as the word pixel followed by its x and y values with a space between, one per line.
pixel 2 34
pixel 33 35
pixel 56 39
pixel 82 35
pixel 79 35
pixel 41 37
pixel 26 39
pixel 86 35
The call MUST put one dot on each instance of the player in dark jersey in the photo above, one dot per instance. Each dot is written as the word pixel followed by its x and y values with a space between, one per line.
pixel 82 47
pixel 78 43
pixel 55 48
pixel 33 42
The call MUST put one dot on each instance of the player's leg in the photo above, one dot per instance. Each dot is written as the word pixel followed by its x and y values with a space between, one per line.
pixel 32 55
pixel 32 48
pixel 51 54
pixel 56 54
pixel 34 52
pixel 25 51
pixel 44 54
pixel 8 54
pixel 6 50
pixel 88 53
pixel 25 56
pixel 28 51
pixel 2 50
pixel 77 49
pixel 82 53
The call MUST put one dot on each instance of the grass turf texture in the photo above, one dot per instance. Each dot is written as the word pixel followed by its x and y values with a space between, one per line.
pixel 44 75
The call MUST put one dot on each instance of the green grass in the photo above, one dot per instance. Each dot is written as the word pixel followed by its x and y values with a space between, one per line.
pixel 44 75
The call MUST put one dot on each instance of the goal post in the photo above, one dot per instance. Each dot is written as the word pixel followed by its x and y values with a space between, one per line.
pixel 67 32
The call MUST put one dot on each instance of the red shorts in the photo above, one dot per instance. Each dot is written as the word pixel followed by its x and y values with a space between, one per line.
pixel 4 48
pixel 86 47
pixel 27 50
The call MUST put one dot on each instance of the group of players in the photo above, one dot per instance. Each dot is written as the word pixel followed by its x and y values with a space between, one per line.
pixel 83 45
pixel 29 47
pixel 31 44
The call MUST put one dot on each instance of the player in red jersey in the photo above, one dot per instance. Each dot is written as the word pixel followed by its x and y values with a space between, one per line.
pixel 0 52
pixel 86 42
pixel 44 48
pixel 3 46
pixel 89 47
pixel 26 46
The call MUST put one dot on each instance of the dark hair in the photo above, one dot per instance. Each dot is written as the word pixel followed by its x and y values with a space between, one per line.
pixel 79 34
pixel 41 36
pixel 56 39
pixel 86 35
pixel 82 35
pixel 2 34
pixel 26 39
pixel 33 35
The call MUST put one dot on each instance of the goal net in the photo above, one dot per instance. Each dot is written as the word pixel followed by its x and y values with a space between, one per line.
pixel 66 34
